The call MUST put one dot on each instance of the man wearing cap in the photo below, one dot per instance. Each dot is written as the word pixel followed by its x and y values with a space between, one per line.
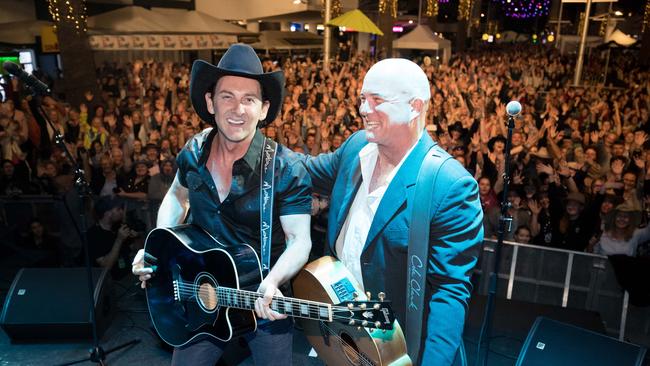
pixel 218 183
pixel 371 180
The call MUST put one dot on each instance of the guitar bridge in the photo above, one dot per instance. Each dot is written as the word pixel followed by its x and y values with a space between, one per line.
pixel 177 292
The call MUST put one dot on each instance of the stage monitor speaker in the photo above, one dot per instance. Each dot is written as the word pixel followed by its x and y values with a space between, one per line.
pixel 550 342
pixel 52 303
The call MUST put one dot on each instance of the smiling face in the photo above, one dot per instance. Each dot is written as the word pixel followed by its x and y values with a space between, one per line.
pixel 237 106
pixel 622 220
pixel 393 94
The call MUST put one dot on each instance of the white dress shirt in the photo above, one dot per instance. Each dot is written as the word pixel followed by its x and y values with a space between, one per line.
pixel 354 233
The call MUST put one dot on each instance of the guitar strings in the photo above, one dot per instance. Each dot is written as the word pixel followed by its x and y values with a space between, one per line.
pixel 189 288
pixel 222 293
pixel 362 358
pixel 239 298
pixel 314 308
pixel 225 294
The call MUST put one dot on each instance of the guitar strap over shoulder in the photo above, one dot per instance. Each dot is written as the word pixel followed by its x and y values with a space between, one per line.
pixel 267 167
pixel 418 251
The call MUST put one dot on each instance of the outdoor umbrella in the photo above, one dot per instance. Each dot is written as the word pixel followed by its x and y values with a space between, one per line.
pixel 357 21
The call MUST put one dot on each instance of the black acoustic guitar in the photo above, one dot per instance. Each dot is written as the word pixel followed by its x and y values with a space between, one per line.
pixel 204 288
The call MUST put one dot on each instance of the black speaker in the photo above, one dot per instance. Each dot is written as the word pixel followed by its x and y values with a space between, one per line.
pixel 551 342
pixel 53 303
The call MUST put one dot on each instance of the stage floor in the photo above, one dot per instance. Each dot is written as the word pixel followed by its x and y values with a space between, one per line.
pixel 132 321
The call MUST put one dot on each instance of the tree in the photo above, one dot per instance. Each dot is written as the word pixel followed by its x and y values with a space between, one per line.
pixel 79 75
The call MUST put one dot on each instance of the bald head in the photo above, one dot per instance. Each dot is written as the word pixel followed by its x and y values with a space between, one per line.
pixel 398 82
pixel 399 76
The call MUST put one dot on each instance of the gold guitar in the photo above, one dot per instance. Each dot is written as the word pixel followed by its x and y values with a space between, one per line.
pixel 356 343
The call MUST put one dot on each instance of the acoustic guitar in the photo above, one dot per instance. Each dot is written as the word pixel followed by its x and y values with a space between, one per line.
pixel 327 280
pixel 202 288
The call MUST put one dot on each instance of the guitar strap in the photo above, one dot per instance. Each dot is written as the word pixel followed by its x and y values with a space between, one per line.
pixel 418 251
pixel 267 167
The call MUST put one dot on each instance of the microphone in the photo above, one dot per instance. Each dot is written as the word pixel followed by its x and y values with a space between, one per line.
pixel 31 81
pixel 513 108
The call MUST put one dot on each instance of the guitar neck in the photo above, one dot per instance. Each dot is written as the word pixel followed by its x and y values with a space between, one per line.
pixel 241 299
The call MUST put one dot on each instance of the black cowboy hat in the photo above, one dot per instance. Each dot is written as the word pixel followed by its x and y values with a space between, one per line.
pixel 239 60
pixel 493 140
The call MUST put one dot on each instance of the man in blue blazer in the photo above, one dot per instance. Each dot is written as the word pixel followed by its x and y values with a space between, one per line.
pixel 371 183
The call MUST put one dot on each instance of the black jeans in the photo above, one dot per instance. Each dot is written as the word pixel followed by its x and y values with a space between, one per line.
pixel 270 345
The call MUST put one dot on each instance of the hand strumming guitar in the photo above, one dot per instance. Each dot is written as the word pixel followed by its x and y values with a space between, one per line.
pixel 139 269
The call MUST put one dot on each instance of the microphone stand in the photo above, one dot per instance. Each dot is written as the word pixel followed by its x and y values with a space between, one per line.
pixel 504 219
pixel 96 354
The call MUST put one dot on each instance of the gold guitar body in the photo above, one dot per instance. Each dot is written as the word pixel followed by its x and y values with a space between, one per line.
pixel 327 280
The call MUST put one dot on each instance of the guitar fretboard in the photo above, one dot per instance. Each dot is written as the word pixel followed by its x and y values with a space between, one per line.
pixel 241 299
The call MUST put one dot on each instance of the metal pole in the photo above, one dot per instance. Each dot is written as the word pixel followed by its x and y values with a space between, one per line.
pixel 328 35
pixel 606 67
pixel 419 12
pixel 581 52
pixel 559 26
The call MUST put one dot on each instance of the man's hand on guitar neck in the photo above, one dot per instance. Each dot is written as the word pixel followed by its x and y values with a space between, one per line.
pixel 262 304
pixel 139 269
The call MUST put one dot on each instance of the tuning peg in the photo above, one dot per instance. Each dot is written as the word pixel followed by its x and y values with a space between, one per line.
pixel 350 306
pixel 381 296
pixel 355 295
pixel 364 323
pixel 376 306
pixel 371 329
pixel 362 306
pixel 383 330
pixel 368 295
pixel 358 328
pixel 351 322
pixel 377 324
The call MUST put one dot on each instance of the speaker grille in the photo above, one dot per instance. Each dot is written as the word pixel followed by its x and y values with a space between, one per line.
pixel 54 303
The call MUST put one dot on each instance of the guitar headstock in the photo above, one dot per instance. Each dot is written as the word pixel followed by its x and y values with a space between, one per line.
pixel 369 314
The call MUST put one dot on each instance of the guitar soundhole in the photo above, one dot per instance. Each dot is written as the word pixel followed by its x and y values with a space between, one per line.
pixel 350 349
pixel 206 287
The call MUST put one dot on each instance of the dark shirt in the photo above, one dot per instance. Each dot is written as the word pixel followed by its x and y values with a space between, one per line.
pixel 72 133
pixel 237 219
pixel 131 186
pixel 577 233
pixel 100 243
pixel 45 253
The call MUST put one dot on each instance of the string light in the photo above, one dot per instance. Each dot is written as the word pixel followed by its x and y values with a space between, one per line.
pixel 464 8
pixel 432 8
pixel 523 9
pixel 646 16
pixel 63 11
pixel 389 6
pixel 383 6
pixel 581 23
pixel 393 8
pixel 335 9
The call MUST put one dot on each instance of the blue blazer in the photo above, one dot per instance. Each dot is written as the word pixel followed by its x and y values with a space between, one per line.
pixel 456 233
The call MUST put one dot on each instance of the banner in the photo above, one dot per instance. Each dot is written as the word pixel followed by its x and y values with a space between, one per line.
pixel 161 42
pixel 49 40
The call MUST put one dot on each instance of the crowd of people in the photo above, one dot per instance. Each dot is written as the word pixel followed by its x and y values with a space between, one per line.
pixel 580 156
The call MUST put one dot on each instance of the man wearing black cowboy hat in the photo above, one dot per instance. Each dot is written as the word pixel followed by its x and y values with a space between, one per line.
pixel 219 179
